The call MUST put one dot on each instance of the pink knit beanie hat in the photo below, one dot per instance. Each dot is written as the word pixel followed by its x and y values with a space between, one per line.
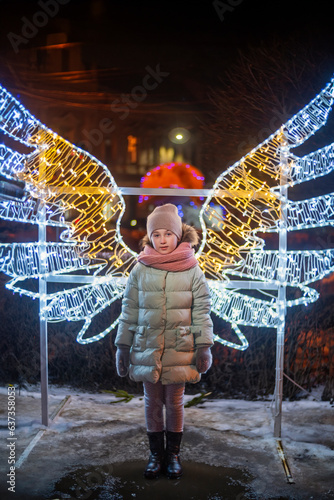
pixel 165 217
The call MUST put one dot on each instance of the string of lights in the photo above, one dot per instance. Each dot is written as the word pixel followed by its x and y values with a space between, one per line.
pixel 24 259
pixel 302 267
pixel 315 212
pixel 17 211
pixel 311 166
pixel 11 162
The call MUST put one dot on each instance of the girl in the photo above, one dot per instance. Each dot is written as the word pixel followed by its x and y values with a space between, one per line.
pixel 165 331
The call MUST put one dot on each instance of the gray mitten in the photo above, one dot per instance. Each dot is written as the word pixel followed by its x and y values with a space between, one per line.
pixel 203 359
pixel 122 360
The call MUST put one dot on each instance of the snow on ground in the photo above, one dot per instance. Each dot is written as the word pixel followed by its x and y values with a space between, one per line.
pixel 92 432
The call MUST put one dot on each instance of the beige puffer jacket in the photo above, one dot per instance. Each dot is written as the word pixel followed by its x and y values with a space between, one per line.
pixel 165 317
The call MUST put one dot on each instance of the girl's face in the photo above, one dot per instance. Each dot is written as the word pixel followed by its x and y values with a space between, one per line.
pixel 164 241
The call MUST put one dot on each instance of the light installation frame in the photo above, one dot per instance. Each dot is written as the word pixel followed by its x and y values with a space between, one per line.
pixel 289 170
pixel 279 287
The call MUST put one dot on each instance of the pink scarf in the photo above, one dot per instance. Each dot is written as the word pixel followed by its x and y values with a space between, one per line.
pixel 180 259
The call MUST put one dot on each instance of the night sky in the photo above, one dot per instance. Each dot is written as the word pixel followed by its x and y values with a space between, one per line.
pixel 196 39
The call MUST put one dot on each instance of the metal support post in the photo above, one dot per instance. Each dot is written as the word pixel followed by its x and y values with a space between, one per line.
pixel 281 297
pixel 42 321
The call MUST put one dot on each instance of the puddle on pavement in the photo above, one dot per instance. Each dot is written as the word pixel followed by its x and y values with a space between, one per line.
pixel 125 481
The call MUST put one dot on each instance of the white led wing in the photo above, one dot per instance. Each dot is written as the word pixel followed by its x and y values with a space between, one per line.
pixel 77 192
pixel 249 193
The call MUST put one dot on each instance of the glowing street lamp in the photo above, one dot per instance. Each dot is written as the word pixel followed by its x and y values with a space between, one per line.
pixel 179 135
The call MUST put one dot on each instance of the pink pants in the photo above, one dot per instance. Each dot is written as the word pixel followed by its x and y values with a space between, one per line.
pixel 158 395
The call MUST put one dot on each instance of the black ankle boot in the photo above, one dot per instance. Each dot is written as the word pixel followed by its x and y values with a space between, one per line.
pixel 173 466
pixel 155 461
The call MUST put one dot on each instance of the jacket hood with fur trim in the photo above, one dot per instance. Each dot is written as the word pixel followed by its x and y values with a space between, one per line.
pixel 189 235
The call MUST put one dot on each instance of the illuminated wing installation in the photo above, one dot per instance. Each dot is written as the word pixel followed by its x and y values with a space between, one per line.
pixel 253 193
pixel 69 188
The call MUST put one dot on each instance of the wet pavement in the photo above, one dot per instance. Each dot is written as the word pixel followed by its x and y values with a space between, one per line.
pixel 125 481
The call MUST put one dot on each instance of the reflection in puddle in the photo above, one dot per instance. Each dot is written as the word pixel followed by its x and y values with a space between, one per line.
pixel 125 481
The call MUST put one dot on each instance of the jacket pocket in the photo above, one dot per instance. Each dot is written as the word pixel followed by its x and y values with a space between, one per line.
pixel 184 339
pixel 139 338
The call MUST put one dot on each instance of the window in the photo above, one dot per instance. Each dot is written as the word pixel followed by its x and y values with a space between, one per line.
pixel 132 149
